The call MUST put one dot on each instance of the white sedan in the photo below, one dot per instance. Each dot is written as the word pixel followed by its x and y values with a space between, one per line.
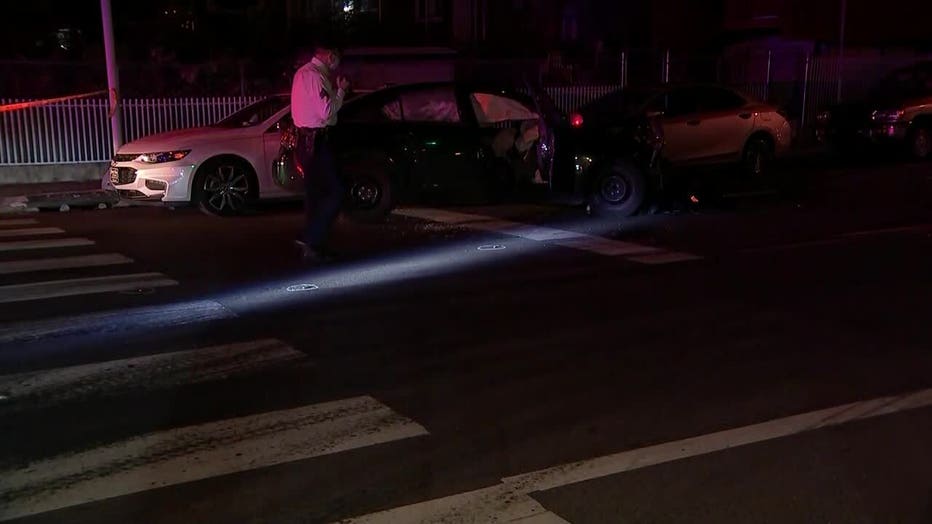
pixel 222 168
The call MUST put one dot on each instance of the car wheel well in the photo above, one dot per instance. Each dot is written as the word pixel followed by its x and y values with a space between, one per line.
pixel 214 160
pixel 763 136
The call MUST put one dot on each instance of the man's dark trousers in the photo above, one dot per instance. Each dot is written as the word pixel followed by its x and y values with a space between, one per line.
pixel 323 188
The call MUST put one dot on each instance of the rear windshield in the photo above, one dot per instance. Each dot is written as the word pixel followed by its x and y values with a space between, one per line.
pixel 627 102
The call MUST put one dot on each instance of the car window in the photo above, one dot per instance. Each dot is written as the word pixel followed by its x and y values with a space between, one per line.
pixel 492 109
pixel 371 109
pixel 718 99
pixel 681 102
pixel 430 105
pixel 283 123
pixel 255 114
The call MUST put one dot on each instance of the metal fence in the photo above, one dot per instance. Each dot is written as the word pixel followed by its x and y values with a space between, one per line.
pixel 79 131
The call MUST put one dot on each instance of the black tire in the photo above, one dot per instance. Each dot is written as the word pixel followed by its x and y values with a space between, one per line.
pixel 920 143
pixel 619 189
pixel 757 163
pixel 370 196
pixel 225 186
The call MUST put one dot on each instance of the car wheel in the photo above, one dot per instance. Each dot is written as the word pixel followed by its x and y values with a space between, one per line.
pixel 225 187
pixel 757 162
pixel 369 196
pixel 619 189
pixel 920 143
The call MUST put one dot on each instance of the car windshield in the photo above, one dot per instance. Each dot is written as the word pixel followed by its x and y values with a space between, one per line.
pixel 254 114
pixel 905 83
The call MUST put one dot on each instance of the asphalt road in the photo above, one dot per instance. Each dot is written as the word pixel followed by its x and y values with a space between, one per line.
pixel 750 360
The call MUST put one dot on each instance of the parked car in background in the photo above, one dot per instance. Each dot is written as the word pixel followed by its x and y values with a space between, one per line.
pixel 897 112
pixel 438 142
pixel 703 124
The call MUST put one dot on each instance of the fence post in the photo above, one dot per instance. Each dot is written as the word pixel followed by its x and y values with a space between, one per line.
pixel 665 74
pixel 802 118
pixel 767 84
pixel 624 69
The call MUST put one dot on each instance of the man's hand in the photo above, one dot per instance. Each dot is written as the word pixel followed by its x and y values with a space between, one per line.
pixel 343 83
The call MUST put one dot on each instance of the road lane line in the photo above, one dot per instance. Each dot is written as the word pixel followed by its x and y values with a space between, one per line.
pixel 113 323
pixel 18 222
pixel 509 501
pixel 561 237
pixel 30 232
pixel 82 286
pixel 22 245
pixel 198 452
pixel 49 387
pixel 46 264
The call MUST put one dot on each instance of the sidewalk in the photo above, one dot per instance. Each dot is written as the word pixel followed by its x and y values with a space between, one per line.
pixel 16 198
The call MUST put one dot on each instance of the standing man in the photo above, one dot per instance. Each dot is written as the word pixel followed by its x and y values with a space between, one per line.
pixel 315 100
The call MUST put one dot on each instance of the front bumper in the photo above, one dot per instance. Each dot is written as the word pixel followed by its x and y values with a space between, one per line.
pixel 170 182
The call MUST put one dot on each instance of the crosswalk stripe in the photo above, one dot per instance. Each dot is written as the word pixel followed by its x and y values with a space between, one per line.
pixel 82 286
pixel 18 222
pixel 594 244
pixel 46 264
pixel 113 323
pixel 40 389
pixel 187 454
pixel 23 245
pixel 608 247
pixel 669 257
pixel 510 501
pixel 30 231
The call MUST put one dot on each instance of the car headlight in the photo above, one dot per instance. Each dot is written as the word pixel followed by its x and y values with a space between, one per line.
pixel 887 117
pixel 165 156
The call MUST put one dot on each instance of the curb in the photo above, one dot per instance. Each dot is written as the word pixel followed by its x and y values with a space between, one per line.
pixel 63 201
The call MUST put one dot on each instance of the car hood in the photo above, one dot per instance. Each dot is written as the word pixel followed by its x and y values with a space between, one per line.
pixel 180 139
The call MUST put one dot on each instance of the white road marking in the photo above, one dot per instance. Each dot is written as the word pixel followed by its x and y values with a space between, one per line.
pixel 608 247
pixel 891 230
pixel 46 264
pixel 669 257
pixel 31 231
pixel 39 389
pixel 510 500
pixel 187 454
pixel 82 286
pixel 112 323
pixel 18 222
pixel 560 237
pixel 22 245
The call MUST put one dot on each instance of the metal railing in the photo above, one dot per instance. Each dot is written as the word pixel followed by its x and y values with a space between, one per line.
pixel 78 131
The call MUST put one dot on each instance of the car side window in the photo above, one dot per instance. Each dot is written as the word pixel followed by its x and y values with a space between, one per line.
pixel 284 123
pixel 681 102
pixel 370 110
pixel 430 105
pixel 717 99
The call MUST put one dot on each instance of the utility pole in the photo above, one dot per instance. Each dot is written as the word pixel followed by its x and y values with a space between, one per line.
pixel 113 76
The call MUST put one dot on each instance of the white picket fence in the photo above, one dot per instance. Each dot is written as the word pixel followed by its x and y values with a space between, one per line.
pixel 79 131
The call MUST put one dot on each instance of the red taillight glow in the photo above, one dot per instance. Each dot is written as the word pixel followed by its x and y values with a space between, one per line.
pixel 576 120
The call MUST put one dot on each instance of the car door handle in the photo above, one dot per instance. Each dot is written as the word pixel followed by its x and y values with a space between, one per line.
pixel 693 122
pixel 744 115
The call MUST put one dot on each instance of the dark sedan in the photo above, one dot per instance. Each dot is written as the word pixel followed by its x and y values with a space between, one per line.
pixel 456 143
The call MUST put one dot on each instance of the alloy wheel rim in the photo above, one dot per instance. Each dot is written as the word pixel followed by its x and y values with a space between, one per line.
pixel 227 189
pixel 614 190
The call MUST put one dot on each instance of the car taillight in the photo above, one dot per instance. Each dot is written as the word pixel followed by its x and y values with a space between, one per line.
pixel 576 120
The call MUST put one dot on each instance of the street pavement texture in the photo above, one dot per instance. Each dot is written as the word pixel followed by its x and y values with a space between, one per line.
pixel 749 360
